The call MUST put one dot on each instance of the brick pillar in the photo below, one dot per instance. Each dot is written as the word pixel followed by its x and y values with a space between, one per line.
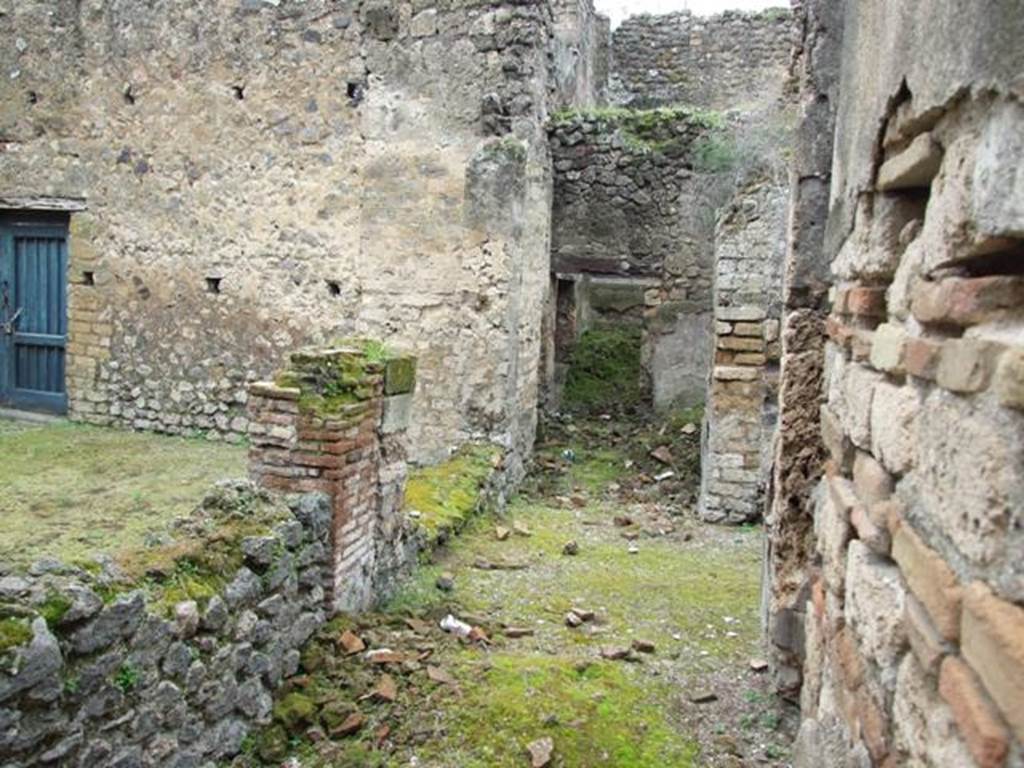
pixel 318 427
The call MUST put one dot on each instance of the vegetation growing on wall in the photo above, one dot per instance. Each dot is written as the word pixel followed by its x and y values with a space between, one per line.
pixel 445 495
pixel 605 371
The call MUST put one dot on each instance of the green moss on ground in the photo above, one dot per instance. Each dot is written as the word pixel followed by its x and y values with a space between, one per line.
pixel 446 495
pixel 596 715
pixel 71 490
pixel 605 370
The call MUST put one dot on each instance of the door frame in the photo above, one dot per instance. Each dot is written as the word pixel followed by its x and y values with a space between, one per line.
pixel 44 223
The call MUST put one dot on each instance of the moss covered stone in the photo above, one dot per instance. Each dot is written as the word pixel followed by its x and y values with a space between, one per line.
pixel 295 711
pixel 14 632
pixel 447 494
pixel 399 375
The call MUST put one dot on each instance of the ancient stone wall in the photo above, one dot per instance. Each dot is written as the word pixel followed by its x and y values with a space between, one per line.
pixel 634 209
pixel 106 675
pixel 732 60
pixel 332 423
pixel 273 174
pixel 915 618
pixel 741 402
pixel 581 51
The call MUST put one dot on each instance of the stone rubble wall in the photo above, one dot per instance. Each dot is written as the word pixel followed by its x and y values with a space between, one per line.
pixel 732 60
pixel 354 453
pixel 740 412
pixel 634 214
pixel 914 636
pixel 275 174
pixel 116 683
pixel 581 51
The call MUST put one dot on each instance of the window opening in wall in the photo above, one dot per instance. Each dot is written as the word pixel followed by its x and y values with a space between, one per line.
pixel 88 278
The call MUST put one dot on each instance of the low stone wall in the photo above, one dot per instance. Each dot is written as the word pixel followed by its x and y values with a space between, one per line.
pixel 741 409
pixel 333 423
pixel 158 659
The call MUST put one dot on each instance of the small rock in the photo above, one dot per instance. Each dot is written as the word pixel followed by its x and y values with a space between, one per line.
pixel 572 620
pixel 521 530
pixel 541 751
pixel 622 521
pixel 186 618
pixel 386 689
pixel 583 613
pixel 501 533
pixel 614 654
pixel 662 454
pixel 664 476
pixel 689 429
pixel 438 675
pixel 445 582
pixel 578 501
pixel 477 635
pixel 351 642
pixel 351 725
pixel 633 549
pixel 384 656
pixel 515 632
pixel 759 665
pixel 571 548
pixel 703 697
pixel 643 646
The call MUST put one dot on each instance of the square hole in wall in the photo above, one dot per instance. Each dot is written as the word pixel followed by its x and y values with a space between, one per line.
pixel 213 284
pixel 333 287
pixel 88 278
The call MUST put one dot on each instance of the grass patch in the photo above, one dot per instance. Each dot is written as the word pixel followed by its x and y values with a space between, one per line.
pixel 605 370
pixel 69 490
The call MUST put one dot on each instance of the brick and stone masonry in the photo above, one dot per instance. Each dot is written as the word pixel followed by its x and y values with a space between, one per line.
pixel 913 636
pixel 332 423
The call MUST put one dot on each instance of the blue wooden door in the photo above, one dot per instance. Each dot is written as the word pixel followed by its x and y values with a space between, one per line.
pixel 33 314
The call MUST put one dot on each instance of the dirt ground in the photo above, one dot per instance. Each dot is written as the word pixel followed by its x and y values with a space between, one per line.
pixel 608 628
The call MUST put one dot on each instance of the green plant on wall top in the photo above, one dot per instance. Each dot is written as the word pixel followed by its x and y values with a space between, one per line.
pixel 605 370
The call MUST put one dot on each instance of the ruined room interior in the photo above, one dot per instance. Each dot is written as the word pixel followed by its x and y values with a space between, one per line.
pixel 486 383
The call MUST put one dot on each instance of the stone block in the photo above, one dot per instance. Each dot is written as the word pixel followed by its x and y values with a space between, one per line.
pixel 835 440
pixel 1008 381
pixel 992 641
pixel 397 415
pixel 930 579
pixel 735 373
pixel 979 723
pixel 924 731
pixel 741 314
pixel 858 389
pixel 749 329
pixel 833 532
pixel 875 598
pixel 424 23
pixel 399 375
pixel 912 168
pixel 997 191
pixel 895 413
pixel 750 359
pixel 739 344
pixel 865 301
pixel 921 358
pixel 871 481
pixel 925 641
pixel 966 365
pixel 978 504
pixel 887 348
pixel 875 536
pixel 964 301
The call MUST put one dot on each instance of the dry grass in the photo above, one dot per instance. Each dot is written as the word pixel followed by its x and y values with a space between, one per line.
pixel 69 491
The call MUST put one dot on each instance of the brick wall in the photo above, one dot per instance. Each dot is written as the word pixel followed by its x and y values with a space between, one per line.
pixel 914 633
pixel 331 423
